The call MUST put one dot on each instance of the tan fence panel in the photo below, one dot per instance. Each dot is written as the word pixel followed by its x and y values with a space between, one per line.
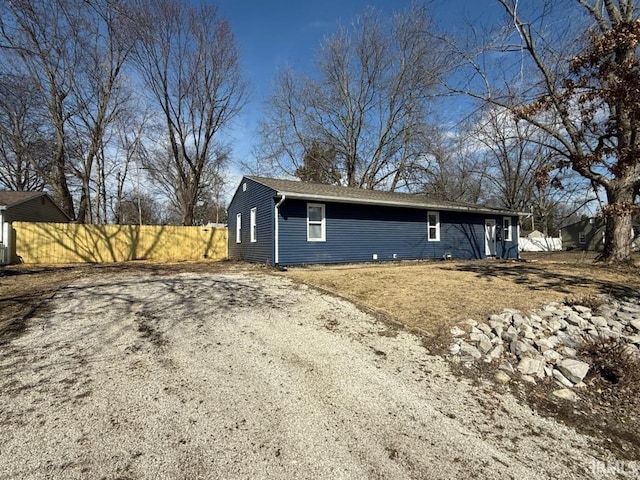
pixel 71 243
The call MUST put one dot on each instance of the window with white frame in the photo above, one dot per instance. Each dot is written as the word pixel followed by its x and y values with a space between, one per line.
pixel 252 223
pixel 506 228
pixel 433 226
pixel 582 238
pixel 238 228
pixel 316 223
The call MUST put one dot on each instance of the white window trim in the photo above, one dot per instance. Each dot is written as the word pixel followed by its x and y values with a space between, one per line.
pixel 252 224
pixel 239 228
pixel 506 227
pixel 436 227
pixel 322 223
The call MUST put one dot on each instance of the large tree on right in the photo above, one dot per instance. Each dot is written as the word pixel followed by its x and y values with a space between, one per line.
pixel 578 82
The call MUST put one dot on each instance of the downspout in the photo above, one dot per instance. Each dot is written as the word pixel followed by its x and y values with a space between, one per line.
pixel 276 239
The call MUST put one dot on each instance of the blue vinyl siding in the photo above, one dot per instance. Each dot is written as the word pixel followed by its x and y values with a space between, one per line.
pixel 508 249
pixel 260 197
pixel 354 233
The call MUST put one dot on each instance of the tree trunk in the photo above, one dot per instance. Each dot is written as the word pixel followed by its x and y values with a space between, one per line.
pixel 60 186
pixel 618 217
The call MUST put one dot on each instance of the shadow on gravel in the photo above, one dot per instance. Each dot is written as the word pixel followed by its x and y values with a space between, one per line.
pixel 541 278
pixel 16 311
pixel 19 270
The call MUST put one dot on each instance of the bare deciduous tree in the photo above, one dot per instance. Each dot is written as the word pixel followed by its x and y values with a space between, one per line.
pixel 164 171
pixel 135 208
pixel 70 54
pixel 367 101
pixel 513 156
pixel 576 83
pixel 108 40
pixel 450 170
pixel 25 152
pixel 189 62
pixel 39 43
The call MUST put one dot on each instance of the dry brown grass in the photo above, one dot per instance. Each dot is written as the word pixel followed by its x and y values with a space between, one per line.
pixel 432 296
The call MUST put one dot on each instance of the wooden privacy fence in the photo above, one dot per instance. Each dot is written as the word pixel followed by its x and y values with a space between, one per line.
pixel 71 243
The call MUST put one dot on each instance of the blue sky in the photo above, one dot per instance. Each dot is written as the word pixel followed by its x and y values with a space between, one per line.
pixel 271 33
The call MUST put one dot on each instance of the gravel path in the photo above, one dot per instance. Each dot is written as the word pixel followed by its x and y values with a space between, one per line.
pixel 250 376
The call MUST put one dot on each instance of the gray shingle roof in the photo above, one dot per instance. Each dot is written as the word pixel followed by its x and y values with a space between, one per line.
pixel 9 198
pixel 317 191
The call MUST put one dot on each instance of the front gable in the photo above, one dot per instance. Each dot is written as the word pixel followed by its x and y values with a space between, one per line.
pixel 251 222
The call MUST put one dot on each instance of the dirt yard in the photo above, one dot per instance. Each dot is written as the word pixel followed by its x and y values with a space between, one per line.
pixel 228 371
pixel 431 296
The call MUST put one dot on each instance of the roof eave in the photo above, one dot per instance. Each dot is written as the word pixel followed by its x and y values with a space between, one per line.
pixel 4 207
pixel 387 203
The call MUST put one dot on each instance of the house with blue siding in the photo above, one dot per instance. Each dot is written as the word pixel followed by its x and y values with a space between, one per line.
pixel 287 222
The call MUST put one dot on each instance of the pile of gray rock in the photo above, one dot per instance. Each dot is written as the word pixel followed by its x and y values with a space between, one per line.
pixel 545 344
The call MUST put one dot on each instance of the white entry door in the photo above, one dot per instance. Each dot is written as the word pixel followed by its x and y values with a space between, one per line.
pixel 490 237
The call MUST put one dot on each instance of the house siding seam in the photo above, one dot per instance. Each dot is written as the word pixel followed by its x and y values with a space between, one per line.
pixel 354 233
pixel 262 198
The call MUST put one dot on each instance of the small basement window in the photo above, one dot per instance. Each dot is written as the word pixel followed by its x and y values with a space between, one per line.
pixel 239 228
pixel 506 228
pixel 316 225
pixel 252 223
pixel 582 238
pixel 433 226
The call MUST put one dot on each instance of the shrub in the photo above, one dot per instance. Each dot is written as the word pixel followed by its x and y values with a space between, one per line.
pixel 591 301
pixel 615 361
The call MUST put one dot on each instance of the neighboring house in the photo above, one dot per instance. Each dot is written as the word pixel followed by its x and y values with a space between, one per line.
pixel 588 234
pixel 585 234
pixel 285 222
pixel 24 207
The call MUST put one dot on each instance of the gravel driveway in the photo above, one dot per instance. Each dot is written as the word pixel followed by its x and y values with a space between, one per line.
pixel 245 375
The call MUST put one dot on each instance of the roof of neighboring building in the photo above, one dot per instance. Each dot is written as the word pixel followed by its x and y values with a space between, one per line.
pixel 598 222
pixel 334 193
pixel 9 199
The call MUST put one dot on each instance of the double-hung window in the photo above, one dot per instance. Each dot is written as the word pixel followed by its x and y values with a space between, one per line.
pixel 239 228
pixel 506 228
pixel 316 223
pixel 252 223
pixel 433 226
